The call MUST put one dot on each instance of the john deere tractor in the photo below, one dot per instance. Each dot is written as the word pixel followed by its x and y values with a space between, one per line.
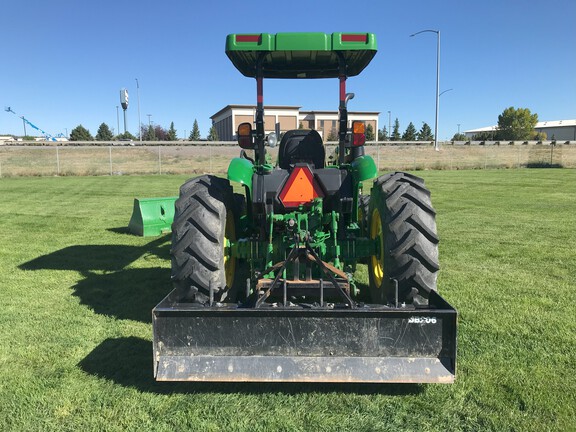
pixel 264 280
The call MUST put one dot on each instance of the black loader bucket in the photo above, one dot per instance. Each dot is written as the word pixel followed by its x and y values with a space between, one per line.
pixel 152 216
pixel 367 344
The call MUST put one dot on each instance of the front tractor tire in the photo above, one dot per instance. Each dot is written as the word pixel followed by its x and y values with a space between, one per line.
pixel 204 225
pixel 402 220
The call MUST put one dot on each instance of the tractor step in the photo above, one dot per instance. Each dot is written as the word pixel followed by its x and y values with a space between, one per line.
pixel 367 344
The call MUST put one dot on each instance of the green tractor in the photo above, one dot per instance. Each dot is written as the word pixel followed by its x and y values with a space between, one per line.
pixel 264 286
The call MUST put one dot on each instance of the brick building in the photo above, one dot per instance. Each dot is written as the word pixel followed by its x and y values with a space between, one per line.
pixel 226 120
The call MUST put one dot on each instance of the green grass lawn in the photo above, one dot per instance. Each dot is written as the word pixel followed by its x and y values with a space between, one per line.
pixel 77 291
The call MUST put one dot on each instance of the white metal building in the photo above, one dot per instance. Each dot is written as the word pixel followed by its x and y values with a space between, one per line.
pixel 564 130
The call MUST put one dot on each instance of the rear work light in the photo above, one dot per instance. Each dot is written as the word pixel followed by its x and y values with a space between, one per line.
pixel 245 139
pixel 300 188
pixel 358 133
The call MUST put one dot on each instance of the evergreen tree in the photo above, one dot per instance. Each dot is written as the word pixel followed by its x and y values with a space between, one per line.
pixel 104 133
pixel 396 131
pixel 172 135
pixel 212 134
pixel 80 133
pixel 425 133
pixel 195 134
pixel 126 136
pixel 383 134
pixel 369 133
pixel 410 133
pixel 149 135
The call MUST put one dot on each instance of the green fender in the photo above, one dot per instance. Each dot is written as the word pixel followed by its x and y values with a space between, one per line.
pixel 240 171
pixel 363 168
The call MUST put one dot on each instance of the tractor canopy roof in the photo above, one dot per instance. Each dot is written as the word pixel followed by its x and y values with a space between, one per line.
pixel 301 55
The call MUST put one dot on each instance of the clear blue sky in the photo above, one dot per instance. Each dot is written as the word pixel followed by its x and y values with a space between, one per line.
pixel 64 61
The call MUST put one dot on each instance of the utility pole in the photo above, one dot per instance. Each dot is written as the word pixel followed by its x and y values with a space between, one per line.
pixel 139 122
pixel 437 83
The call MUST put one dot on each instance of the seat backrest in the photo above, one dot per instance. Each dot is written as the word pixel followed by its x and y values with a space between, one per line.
pixel 301 145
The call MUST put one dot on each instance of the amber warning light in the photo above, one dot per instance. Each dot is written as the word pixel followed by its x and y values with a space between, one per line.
pixel 300 188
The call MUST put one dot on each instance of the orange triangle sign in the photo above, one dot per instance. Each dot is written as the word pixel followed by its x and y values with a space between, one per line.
pixel 300 188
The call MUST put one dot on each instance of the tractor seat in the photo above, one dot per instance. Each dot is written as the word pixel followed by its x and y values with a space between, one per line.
pixel 301 145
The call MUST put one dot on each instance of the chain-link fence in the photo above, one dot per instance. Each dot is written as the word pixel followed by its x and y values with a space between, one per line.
pixel 18 160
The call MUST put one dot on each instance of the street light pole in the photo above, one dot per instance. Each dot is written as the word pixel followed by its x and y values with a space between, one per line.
pixel 389 132
pixel 139 122
pixel 118 119
pixel 437 83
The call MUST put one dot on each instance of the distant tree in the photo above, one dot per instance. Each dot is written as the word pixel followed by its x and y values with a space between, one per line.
pixel 410 133
pixel 172 135
pixel 125 136
pixel 333 135
pixel 301 126
pixel 160 133
pixel 425 133
pixel 212 134
pixel 396 131
pixel 80 133
pixel 104 133
pixel 484 136
pixel 148 133
pixel 369 132
pixel 383 134
pixel 516 124
pixel 541 136
pixel 459 137
pixel 195 134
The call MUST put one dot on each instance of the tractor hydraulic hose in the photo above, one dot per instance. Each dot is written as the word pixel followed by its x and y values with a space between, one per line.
pixel 334 227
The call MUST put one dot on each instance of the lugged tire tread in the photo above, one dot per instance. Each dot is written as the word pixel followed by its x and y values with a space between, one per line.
pixel 197 233
pixel 411 241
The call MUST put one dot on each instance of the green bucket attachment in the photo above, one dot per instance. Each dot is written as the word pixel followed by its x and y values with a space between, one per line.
pixel 152 216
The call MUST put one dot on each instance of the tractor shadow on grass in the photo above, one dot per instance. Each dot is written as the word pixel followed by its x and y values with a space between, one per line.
pixel 108 286
pixel 127 361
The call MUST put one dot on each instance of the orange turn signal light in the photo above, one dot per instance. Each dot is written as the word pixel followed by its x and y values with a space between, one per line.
pixel 358 133
pixel 358 127
pixel 245 136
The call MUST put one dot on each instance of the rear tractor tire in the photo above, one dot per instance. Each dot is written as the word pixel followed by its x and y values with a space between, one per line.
pixel 204 225
pixel 402 218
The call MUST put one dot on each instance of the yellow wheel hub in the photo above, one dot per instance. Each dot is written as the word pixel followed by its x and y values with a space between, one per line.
pixel 229 261
pixel 377 261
